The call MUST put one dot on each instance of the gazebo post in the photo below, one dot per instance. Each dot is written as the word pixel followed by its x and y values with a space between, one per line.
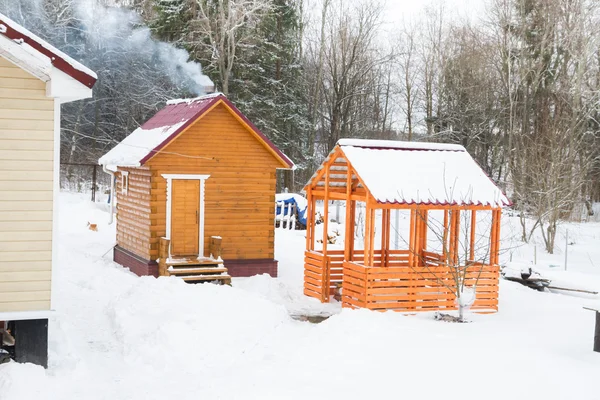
pixel 411 238
pixel 498 225
pixel 495 237
pixel 351 243
pixel 422 244
pixel 417 239
pixel 349 236
pixel 310 221
pixel 385 236
pixel 372 239
pixel 369 234
pixel 325 266
pixel 445 234
pixel 472 244
pixel 455 234
pixel 451 248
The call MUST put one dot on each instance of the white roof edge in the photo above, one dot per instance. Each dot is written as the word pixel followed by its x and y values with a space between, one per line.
pixel 74 63
pixel 204 97
pixel 395 144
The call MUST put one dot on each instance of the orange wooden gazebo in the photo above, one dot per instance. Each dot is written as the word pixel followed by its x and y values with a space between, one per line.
pixel 423 179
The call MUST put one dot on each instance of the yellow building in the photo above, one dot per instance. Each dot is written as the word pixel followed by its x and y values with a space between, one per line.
pixel 35 79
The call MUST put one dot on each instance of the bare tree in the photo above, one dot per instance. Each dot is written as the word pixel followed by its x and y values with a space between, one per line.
pixel 222 28
pixel 407 61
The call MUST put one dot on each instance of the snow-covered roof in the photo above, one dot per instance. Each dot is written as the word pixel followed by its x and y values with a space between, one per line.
pixel 149 139
pixel 36 55
pixel 420 173
pixel 392 144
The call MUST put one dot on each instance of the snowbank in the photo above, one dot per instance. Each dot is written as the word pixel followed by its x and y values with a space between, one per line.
pixel 117 336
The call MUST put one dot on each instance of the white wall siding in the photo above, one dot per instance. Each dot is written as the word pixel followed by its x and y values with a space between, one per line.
pixel 26 190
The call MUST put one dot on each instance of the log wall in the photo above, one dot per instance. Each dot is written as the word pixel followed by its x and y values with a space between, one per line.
pixel 134 222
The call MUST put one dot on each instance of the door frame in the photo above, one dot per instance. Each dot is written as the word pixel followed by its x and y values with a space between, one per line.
pixel 202 179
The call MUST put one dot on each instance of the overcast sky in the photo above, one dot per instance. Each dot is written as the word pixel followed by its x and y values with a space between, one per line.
pixel 398 11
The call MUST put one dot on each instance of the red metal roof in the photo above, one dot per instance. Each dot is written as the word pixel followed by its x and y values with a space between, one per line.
pixel 59 60
pixel 188 112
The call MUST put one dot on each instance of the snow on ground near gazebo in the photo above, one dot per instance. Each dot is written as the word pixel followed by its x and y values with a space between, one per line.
pixel 117 336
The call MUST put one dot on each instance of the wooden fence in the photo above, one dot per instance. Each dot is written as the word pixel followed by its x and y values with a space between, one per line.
pixel 396 286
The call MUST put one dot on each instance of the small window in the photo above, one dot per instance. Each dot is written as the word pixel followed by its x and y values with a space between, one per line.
pixel 124 182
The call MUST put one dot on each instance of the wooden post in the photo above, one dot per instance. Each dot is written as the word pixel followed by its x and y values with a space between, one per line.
pixel 445 246
pixel 372 239
pixel 351 244
pixel 326 211
pixel 425 228
pixel 385 236
pixel 421 243
pixel 163 254
pixel 411 240
pixel 417 239
pixel 498 226
pixel 472 244
pixel 325 265
pixel 451 237
pixel 310 220
pixel 495 237
pixel 456 215
pixel 349 218
pixel 367 240
pixel 214 247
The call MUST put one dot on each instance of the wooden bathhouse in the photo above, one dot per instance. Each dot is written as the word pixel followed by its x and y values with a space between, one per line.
pixel 35 79
pixel 195 189
pixel 449 204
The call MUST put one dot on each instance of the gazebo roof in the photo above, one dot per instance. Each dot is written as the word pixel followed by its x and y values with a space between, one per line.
pixel 396 172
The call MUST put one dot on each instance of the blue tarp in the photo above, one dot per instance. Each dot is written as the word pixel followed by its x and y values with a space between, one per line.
pixel 293 198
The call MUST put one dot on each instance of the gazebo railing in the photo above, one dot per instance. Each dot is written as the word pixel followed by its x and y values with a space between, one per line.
pixel 412 289
pixel 391 284
pixel 327 270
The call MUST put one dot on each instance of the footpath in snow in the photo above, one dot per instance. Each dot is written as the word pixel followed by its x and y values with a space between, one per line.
pixel 118 336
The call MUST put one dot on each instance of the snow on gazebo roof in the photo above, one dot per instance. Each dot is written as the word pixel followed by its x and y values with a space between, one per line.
pixel 150 138
pixel 37 56
pixel 420 173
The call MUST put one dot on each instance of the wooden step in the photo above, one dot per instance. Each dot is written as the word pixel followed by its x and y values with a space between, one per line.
pixel 196 270
pixel 224 278
pixel 182 262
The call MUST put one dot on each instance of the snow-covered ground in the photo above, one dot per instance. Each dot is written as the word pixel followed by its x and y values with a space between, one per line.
pixel 117 336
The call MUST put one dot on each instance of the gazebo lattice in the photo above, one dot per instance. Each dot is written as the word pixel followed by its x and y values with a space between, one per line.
pixel 420 178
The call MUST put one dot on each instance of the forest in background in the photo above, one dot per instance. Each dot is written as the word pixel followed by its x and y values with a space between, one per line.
pixel 520 89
